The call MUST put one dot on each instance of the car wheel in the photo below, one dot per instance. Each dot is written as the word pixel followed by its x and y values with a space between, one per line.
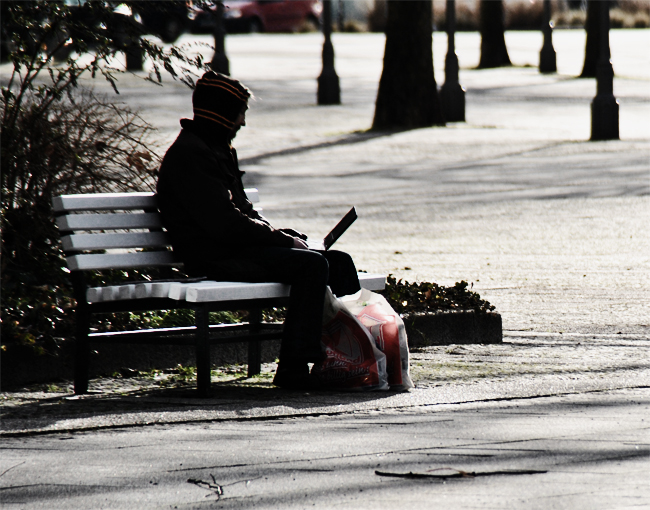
pixel 255 26
pixel 171 31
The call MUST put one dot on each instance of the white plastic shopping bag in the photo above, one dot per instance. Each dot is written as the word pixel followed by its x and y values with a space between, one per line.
pixel 352 359
pixel 387 329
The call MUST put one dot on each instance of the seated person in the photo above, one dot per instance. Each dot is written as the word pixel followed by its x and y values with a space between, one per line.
pixel 216 232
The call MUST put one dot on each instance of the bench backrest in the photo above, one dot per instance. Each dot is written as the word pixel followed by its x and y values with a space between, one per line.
pixel 114 231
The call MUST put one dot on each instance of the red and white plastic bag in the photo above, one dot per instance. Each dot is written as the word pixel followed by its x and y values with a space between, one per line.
pixel 387 329
pixel 352 359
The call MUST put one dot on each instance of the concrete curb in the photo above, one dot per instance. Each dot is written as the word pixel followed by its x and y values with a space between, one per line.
pixel 453 327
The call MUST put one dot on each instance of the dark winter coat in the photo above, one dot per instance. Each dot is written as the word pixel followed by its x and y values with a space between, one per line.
pixel 203 205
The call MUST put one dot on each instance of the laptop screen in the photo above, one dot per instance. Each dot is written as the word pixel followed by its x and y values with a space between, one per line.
pixel 340 228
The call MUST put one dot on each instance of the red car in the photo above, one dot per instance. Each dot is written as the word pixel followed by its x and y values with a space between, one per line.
pixel 265 16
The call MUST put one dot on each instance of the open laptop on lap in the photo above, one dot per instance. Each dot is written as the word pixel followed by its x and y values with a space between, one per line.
pixel 335 233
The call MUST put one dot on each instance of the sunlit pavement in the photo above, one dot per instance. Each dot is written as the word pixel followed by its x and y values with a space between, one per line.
pixel 550 228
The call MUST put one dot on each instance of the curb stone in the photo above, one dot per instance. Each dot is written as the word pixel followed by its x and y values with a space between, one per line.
pixel 453 327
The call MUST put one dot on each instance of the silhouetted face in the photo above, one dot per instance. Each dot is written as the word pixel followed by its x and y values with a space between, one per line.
pixel 239 122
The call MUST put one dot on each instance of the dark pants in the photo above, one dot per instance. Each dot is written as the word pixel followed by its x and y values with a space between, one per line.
pixel 308 272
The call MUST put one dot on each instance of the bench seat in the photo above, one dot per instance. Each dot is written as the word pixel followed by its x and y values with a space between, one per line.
pixel 207 290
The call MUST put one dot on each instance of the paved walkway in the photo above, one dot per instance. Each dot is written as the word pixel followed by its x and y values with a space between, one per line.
pixel 550 228
pixel 587 451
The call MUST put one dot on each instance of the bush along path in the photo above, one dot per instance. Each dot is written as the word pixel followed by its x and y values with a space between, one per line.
pixel 438 315
pixel 57 137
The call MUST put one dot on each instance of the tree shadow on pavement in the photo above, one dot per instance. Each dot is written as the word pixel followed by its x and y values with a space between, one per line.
pixel 349 139
pixel 156 405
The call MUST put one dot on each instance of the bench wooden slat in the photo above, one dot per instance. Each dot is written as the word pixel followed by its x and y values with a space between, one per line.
pixel 152 290
pixel 142 290
pixel 80 242
pixel 108 221
pixel 117 201
pixel 205 290
pixel 110 293
pixel 178 290
pixel 98 261
pixel 233 291
pixel 104 201
pixel 208 291
pixel 372 281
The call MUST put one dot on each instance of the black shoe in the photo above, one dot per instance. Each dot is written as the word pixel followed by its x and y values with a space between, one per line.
pixel 294 377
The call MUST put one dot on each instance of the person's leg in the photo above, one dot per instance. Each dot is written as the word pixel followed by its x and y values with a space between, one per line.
pixel 307 272
pixel 343 277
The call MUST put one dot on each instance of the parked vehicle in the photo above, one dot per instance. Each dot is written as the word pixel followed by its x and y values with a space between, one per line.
pixel 167 20
pixel 263 16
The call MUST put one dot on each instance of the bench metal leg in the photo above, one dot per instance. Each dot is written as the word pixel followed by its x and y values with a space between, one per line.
pixel 255 346
pixel 82 352
pixel 202 352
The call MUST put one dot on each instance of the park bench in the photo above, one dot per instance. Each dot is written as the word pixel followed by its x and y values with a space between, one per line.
pixel 121 231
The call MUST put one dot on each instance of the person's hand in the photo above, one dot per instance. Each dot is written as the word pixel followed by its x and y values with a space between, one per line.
pixel 300 244
pixel 294 233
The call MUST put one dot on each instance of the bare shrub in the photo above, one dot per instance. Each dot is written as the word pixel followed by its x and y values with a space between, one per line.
pixel 524 15
pixel 354 26
pixel 377 16
pixel 620 18
pixel 81 144
pixel 634 6
pixel 639 10
pixel 572 18
pixel 466 16
pixel 56 138
pixel 626 14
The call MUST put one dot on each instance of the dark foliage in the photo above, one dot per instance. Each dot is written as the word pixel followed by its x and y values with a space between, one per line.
pixel 57 138
pixel 426 297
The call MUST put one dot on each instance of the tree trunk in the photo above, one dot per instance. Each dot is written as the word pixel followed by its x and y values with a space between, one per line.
pixel 592 48
pixel 493 40
pixel 408 96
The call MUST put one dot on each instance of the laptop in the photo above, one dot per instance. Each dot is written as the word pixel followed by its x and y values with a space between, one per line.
pixel 335 233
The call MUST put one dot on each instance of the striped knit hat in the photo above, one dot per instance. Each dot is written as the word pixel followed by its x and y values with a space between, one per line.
pixel 219 100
